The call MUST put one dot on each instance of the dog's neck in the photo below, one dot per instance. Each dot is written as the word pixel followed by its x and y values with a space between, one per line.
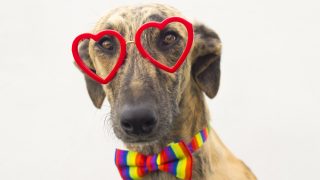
pixel 192 118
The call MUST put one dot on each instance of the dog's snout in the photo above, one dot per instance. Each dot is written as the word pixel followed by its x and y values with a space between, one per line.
pixel 138 120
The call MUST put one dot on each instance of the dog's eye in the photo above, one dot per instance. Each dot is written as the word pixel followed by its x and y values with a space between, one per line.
pixel 106 44
pixel 168 39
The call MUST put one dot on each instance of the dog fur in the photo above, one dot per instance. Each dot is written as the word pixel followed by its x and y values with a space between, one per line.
pixel 178 98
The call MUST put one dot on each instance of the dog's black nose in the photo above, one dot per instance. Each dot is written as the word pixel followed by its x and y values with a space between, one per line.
pixel 138 120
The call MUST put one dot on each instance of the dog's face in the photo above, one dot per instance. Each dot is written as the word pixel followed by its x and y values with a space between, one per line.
pixel 144 100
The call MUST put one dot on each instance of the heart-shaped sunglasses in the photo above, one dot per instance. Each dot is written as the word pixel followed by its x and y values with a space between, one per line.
pixel 122 54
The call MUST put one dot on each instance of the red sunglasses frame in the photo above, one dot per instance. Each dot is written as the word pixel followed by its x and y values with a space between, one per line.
pixel 143 52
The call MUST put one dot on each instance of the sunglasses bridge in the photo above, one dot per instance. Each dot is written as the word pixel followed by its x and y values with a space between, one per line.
pixel 129 42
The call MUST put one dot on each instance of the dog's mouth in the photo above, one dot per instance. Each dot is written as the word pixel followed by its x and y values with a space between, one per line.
pixel 149 146
pixel 127 139
pixel 142 142
pixel 137 140
pixel 157 136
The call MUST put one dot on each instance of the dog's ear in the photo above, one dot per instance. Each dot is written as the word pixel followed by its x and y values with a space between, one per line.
pixel 205 57
pixel 94 88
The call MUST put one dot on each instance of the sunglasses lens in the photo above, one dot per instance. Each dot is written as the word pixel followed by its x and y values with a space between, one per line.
pixel 166 45
pixel 99 55
pixel 107 52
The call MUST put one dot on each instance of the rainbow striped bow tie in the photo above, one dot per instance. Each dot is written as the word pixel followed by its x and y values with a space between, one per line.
pixel 176 159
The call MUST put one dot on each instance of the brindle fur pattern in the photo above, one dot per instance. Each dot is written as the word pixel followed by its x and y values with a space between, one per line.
pixel 178 98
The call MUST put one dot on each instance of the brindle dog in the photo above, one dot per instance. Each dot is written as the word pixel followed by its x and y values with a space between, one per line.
pixel 150 107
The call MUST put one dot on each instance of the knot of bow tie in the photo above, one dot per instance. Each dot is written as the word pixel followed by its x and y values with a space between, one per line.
pixel 175 159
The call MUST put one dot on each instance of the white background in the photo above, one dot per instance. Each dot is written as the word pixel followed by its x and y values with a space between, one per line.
pixel 266 112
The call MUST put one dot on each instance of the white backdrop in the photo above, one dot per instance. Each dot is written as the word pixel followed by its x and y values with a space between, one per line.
pixel 266 112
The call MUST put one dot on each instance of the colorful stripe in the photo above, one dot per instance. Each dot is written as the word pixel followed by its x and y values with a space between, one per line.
pixel 176 159
pixel 198 140
pixel 188 172
pixel 151 163
pixel 134 161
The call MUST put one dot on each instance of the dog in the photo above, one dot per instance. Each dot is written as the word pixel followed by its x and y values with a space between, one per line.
pixel 149 108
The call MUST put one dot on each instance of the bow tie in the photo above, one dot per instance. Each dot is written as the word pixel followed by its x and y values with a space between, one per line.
pixel 175 159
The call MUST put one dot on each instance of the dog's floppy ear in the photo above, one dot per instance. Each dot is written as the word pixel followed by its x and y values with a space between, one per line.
pixel 94 88
pixel 206 59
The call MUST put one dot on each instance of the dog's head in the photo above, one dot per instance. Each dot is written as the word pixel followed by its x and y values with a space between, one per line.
pixel 145 100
